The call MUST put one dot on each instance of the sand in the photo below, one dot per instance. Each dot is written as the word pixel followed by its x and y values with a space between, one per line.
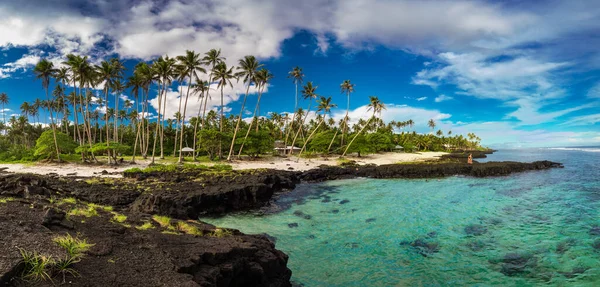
pixel 71 169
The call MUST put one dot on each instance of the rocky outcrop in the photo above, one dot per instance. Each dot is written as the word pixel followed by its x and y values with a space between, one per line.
pixel 124 255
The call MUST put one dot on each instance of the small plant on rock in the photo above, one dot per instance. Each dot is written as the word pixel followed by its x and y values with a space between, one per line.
pixel 36 266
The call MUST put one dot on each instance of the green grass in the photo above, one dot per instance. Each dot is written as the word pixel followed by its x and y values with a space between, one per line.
pixel 74 246
pixel 6 199
pixel 68 200
pixel 98 206
pixel 186 167
pixel 87 212
pixel 145 226
pixel 188 228
pixel 120 218
pixel 163 221
pixel 220 232
pixel 35 266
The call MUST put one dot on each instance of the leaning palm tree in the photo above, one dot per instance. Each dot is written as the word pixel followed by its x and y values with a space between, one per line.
pixel 262 79
pixel 118 88
pixel 346 87
pixel 211 59
pixel 135 82
pixel 4 101
pixel 107 74
pixel 325 105
pixel 191 64
pixel 308 92
pixel 377 106
pixel 248 67
pixel 44 70
pixel 224 76
pixel 297 77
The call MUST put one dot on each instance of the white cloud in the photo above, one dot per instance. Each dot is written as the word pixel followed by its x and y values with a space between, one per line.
pixel 442 98
pixel 421 99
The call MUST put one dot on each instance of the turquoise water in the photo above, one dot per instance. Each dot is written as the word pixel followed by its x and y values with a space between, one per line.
pixel 535 228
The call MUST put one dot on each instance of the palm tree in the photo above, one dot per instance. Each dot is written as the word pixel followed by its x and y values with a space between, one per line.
pixel 262 79
pixel 224 77
pixel 308 92
pixel 107 73
pixel 211 59
pixel 377 106
pixel 118 88
pixel 347 88
pixel 201 89
pixel 135 82
pixel 191 64
pixel 44 70
pixel 4 101
pixel 297 77
pixel 248 67
pixel 163 68
pixel 431 124
pixel 325 105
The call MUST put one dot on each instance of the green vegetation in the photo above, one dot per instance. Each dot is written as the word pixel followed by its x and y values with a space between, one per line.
pixel 145 226
pixel 179 168
pixel 163 221
pixel 6 199
pixel 77 131
pixel 37 267
pixel 119 218
pixel 188 228
pixel 67 200
pixel 220 232
pixel 90 211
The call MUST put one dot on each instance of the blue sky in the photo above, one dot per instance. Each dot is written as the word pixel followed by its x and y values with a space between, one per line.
pixel 517 73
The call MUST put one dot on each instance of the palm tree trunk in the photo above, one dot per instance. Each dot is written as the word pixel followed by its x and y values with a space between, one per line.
pixel 157 122
pixel 237 126
pixel 196 128
pixel 53 127
pixel 359 132
pixel 300 128
pixel 332 140
pixel 221 127
pixel 178 120
pixel 162 124
pixel 309 137
pixel 183 121
pixel 251 122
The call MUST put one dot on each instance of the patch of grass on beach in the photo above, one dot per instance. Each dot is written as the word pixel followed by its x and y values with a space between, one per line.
pixel 67 200
pixel 98 206
pixel 172 168
pixel 119 218
pixel 220 232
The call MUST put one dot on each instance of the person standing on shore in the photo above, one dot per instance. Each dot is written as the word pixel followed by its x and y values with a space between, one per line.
pixel 470 159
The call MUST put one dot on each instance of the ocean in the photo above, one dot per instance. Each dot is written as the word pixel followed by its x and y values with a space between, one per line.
pixel 527 229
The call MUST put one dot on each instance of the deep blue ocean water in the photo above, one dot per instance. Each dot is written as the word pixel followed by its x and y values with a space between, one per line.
pixel 527 229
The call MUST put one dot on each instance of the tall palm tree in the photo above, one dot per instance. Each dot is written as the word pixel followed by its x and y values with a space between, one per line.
pixel 44 70
pixel 325 105
pixel 211 59
pixel 431 125
pixel 308 92
pixel 346 87
pixel 4 101
pixel 297 77
pixel 191 64
pixel 118 88
pixel 263 76
pixel 201 89
pixel 376 106
pixel 224 76
pixel 107 74
pixel 135 83
pixel 163 68
pixel 248 67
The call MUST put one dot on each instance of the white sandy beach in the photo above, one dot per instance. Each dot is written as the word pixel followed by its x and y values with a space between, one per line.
pixel 70 169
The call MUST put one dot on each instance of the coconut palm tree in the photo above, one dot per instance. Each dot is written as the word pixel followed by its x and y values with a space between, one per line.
pixel 431 124
pixel 248 66
pixel 263 76
pixel 346 87
pixel 163 69
pixel 297 77
pixel 135 83
pixel 308 92
pixel 376 106
pixel 211 59
pixel 191 65
pixel 325 105
pixel 4 99
pixel 44 70
pixel 108 75
pixel 200 89
pixel 224 76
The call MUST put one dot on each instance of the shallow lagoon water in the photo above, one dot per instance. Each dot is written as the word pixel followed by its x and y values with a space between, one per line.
pixel 534 228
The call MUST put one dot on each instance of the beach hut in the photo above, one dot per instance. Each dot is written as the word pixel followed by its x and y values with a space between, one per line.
pixel 187 150
pixel 399 148
pixel 286 150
